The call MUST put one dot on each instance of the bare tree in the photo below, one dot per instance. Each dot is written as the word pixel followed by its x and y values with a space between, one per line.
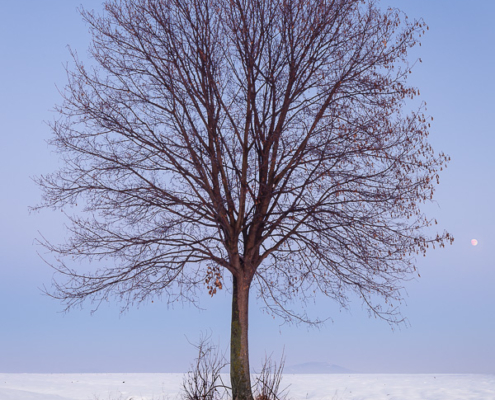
pixel 262 140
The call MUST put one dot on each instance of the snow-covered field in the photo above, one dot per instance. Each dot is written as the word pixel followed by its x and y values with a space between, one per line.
pixel 315 387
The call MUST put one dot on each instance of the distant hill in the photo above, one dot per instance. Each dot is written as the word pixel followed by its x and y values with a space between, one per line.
pixel 317 368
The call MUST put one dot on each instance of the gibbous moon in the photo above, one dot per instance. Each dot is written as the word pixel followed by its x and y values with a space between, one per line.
pixel 474 242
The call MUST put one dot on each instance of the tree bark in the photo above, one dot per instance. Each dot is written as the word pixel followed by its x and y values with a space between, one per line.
pixel 239 353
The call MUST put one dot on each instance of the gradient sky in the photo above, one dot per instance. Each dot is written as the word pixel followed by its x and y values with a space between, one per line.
pixel 450 309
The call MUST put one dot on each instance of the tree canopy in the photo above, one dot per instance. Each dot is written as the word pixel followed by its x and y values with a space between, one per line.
pixel 266 140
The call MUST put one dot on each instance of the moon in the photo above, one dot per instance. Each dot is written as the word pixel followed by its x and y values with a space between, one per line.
pixel 474 242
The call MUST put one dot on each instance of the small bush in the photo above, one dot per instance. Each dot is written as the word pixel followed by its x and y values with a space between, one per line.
pixel 203 381
pixel 267 386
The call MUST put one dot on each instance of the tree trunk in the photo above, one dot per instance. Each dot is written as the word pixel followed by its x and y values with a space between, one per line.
pixel 239 354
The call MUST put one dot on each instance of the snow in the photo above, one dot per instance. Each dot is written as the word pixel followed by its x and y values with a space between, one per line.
pixel 302 387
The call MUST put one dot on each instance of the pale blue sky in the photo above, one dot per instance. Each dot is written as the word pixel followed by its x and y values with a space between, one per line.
pixel 450 308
